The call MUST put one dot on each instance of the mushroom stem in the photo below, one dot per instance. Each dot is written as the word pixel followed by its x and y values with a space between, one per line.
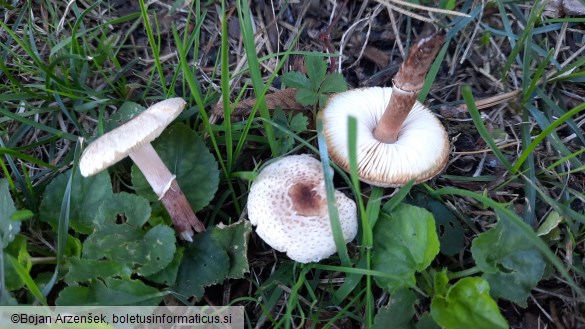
pixel 164 184
pixel 406 85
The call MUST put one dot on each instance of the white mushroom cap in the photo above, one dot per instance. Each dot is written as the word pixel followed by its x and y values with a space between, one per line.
pixel 421 151
pixel 120 142
pixel 288 204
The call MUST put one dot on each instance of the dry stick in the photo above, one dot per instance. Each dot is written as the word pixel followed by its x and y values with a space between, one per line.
pixel 493 100
pixel 284 99
pixel 325 36
pixel 406 85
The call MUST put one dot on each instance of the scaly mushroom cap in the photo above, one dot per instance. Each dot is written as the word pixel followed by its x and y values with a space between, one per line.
pixel 118 143
pixel 288 204
pixel 421 151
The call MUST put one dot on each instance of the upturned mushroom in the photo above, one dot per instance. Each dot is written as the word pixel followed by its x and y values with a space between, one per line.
pixel 133 139
pixel 288 205
pixel 398 138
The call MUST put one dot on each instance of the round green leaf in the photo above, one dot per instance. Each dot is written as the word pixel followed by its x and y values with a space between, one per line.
pixel 186 156
pixel 168 275
pixel 398 313
pixel 468 304
pixel 125 113
pixel 204 263
pixel 135 208
pixel 405 242
pixel 511 263
pixel 111 291
pixel 83 270
pixel 87 196
pixel 18 249
pixel 8 228
pixel 142 253
pixel 234 240
pixel 449 229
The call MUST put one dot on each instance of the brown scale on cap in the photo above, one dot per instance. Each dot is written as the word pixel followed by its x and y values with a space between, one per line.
pixel 306 201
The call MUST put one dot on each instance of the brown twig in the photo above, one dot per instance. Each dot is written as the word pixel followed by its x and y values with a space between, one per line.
pixel 325 36
pixel 284 99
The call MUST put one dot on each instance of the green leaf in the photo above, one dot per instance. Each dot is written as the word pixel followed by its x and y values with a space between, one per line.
pixel 405 242
pixel 83 270
pixel 8 228
pixel 511 263
pixel 467 304
pixel 24 274
pixel 125 112
pixel 299 123
pixel 6 299
pixel 234 240
pixel 18 250
pixel 426 322
pixel 6 5
pixel 448 4
pixel 88 195
pixel 186 156
pixel 285 138
pixel 168 275
pixel 306 97
pixel 21 215
pixel 398 313
pixel 280 118
pixel 135 208
pixel 551 222
pixel 440 282
pixel 449 229
pixel 316 70
pixel 213 256
pixel 73 247
pixel 110 291
pixel 296 80
pixel 334 83
pixel 204 263
pixel 323 100
pixel 142 253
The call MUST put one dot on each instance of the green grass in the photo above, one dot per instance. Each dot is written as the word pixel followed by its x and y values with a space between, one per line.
pixel 61 84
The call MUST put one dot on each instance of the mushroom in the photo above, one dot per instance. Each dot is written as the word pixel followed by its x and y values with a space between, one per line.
pixel 133 139
pixel 398 138
pixel 288 205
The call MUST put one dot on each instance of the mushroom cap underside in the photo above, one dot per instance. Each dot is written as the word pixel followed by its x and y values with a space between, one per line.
pixel 116 144
pixel 287 204
pixel 420 153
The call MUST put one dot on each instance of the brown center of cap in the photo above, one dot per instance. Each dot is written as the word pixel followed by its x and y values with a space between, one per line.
pixel 306 201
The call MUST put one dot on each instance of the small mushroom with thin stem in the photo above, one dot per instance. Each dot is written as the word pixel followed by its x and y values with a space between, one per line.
pixel 398 138
pixel 133 139
pixel 288 205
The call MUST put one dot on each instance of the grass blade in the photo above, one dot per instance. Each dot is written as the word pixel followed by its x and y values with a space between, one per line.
pixel 255 75
pixel 478 121
pixel 331 203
